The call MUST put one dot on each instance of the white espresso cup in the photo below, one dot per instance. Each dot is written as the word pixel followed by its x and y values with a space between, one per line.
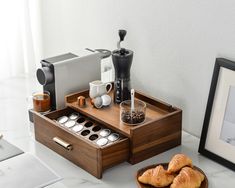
pixel 98 88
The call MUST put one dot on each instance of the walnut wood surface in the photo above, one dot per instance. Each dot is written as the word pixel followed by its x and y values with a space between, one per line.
pixel 115 154
pixel 88 156
pixel 156 137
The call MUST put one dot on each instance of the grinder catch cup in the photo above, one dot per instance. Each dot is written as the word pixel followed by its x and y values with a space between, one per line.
pixel 122 60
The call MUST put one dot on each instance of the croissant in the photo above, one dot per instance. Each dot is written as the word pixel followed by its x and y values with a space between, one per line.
pixel 157 177
pixel 178 162
pixel 188 178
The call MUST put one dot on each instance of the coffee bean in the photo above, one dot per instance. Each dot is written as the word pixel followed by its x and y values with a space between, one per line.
pixel 133 117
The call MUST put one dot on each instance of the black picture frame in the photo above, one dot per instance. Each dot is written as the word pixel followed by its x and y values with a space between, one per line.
pixel 220 62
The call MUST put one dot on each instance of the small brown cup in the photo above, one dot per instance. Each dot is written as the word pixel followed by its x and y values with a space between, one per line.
pixel 81 101
pixel 41 101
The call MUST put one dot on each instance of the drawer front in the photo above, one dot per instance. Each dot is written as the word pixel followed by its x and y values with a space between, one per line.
pixel 77 151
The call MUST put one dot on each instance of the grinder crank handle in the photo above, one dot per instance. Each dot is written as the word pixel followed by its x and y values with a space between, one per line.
pixel 122 34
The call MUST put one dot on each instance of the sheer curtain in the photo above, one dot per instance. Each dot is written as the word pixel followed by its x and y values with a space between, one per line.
pixel 20 37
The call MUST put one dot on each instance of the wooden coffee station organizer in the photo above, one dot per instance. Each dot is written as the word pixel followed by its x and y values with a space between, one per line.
pixel 160 131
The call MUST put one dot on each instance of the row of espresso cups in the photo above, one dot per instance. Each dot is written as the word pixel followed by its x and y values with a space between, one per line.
pixel 99 93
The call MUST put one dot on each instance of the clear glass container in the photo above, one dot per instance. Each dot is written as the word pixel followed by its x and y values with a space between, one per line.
pixel 132 116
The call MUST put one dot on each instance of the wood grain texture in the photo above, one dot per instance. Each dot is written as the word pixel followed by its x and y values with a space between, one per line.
pixel 115 154
pixel 156 137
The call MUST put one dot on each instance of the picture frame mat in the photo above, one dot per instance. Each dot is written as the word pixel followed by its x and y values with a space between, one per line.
pixel 213 141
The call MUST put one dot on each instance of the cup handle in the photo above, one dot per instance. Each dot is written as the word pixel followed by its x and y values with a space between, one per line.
pixel 110 87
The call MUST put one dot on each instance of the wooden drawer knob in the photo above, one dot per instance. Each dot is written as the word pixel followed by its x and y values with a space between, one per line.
pixel 63 143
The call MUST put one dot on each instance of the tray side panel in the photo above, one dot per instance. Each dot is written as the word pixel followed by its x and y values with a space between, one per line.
pixel 82 153
pixel 58 113
pixel 156 137
pixel 155 102
pixel 73 97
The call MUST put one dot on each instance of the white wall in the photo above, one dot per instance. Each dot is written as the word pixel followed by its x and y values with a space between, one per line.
pixel 175 42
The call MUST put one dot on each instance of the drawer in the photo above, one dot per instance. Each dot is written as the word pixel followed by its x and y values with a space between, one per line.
pixel 77 148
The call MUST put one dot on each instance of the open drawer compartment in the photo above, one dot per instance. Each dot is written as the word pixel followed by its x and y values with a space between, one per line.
pixel 76 147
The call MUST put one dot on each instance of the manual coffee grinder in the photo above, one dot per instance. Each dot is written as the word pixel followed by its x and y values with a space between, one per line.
pixel 122 60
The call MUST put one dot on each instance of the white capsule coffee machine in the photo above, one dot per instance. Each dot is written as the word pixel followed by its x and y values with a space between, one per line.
pixel 68 73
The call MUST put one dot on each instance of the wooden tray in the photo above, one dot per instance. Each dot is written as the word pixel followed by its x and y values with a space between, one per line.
pixel 165 165
pixel 110 115
pixel 160 131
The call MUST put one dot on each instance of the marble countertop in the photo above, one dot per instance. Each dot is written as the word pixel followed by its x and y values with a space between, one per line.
pixel 19 132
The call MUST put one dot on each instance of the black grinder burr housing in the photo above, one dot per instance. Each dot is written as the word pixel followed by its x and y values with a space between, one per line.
pixel 122 60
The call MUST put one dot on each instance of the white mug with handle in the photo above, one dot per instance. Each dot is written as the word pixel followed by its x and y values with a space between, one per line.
pixel 98 88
